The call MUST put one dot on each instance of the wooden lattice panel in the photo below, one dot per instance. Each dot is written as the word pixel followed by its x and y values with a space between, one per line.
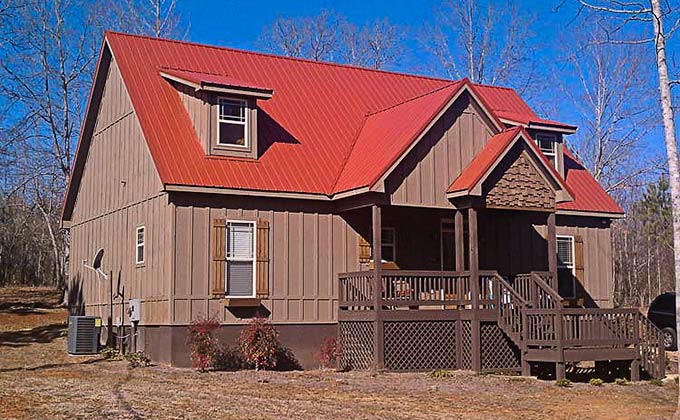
pixel 420 345
pixel 356 341
pixel 499 353
pixel 466 344
pixel 519 186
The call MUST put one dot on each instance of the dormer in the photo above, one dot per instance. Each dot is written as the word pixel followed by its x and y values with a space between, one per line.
pixel 223 111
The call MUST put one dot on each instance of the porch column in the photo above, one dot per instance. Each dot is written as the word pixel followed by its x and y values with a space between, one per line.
pixel 378 343
pixel 474 290
pixel 459 241
pixel 552 249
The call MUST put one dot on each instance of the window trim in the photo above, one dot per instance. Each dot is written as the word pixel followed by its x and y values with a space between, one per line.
pixel 393 245
pixel 553 153
pixel 245 123
pixel 573 262
pixel 253 223
pixel 141 245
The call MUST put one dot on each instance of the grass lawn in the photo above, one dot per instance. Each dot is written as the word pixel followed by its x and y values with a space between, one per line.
pixel 38 380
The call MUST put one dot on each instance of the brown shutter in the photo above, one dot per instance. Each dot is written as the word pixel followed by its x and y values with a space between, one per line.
pixel 219 257
pixel 364 251
pixel 578 259
pixel 262 285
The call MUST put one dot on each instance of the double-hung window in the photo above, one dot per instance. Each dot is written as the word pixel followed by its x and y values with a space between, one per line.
pixel 139 245
pixel 389 242
pixel 548 145
pixel 240 272
pixel 232 121
pixel 566 273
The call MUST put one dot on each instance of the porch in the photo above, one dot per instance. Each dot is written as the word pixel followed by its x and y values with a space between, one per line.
pixel 480 319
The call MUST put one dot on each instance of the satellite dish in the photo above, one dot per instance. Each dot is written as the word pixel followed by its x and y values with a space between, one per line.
pixel 97 260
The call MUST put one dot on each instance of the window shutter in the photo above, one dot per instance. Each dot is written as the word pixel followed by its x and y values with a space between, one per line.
pixel 219 257
pixel 364 251
pixel 262 284
pixel 578 258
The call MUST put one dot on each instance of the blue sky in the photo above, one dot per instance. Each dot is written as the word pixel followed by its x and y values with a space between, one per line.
pixel 240 24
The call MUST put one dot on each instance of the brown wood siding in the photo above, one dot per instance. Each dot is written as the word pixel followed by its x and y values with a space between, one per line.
pixel 597 255
pixel 308 247
pixel 425 174
pixel 120 190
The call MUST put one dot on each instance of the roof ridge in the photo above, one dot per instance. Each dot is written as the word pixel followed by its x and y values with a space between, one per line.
pixel 349 153
pixel 283 57
pixel 421 95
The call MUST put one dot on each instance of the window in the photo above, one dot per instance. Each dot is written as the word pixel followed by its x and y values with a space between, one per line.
pixel 240 272
pixel 232 121
pixel 388 244
pixel 139 245
pixel 448 245
pixel 548 145
pixel 566 274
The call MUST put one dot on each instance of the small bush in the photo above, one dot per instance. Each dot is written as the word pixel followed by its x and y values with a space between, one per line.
pixel 441 373
pixel 110 353
pixel 285 360
pixel 596 382
pixel 621 381
pixel 657 382
pixel 259 343
pixel 202 343
pixel 226 359
pixel 564 383
pixel 330 353
pixel 137 359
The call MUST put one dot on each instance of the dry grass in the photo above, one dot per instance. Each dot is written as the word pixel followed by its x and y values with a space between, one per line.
pixel 39 381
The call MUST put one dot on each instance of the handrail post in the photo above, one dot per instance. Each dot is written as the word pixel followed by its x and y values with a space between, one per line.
pixel 635 364
pixel 378 343
pixel 474 290
pixel 560 371
pixel 526 367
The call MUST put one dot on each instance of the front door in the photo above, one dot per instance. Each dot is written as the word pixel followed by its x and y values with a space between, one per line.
pixel 447 246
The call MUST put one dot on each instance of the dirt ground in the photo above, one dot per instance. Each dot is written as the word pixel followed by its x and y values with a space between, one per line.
pixel 38 380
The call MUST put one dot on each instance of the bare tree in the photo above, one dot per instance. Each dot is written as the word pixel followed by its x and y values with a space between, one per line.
pixel 654 13
pixel 609 95
pixel 487 42
pixel 330 37
pixel 157 18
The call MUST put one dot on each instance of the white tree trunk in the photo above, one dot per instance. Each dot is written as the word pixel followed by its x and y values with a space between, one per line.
pixel 671 148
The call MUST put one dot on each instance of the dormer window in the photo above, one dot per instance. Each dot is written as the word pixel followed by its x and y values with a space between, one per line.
pixel 548 145
pixel 232 122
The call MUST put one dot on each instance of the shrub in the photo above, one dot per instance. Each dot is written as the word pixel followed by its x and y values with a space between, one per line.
pixel 285 360
pixel 202 343
pixel 226 359
pixel 441 373
pixel 621 381
pixel 137 359
pixel 564 383
pixel 259 343
pixel 596 382
pixel 110 353
pixel 657 382
pixel 330 353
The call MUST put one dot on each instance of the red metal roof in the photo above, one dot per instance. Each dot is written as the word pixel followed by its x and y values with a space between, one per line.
pixel 329 128
pixel 496 147
pixel 203 79
pixel 508 105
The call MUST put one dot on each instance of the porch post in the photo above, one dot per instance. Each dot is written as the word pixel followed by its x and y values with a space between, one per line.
pixel 552 249
pixel 474 290
pixel 378 350
pixel 459 241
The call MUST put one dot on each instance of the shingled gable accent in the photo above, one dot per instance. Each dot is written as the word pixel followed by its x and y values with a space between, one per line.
pixel 470 181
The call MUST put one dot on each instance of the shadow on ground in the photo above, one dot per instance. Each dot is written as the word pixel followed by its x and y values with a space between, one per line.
pixel 41 334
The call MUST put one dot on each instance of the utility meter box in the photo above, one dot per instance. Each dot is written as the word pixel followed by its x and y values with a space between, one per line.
pixel 134 308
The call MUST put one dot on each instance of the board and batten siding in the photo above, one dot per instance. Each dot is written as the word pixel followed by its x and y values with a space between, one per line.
pixel 308 247
pixel 597 255
pixel 119 191
pixel 427 171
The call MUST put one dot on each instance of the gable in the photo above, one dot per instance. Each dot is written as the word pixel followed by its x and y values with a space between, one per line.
pixel 517 183
pixel 425 173
pixel 114 167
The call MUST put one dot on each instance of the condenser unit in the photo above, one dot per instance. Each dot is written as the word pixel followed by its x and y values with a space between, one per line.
pixel 83 334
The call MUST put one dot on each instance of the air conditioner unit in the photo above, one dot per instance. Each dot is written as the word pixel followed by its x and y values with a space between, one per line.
pixel 83 334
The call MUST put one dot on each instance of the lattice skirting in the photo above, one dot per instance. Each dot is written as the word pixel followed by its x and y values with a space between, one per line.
pixel 499 353
pixel 356 340
pixel 427 345
pixel 420 345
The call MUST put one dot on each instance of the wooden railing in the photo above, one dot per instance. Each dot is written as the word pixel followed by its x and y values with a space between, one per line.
pixel 651 348
pixel 416 288
pixel 511 308
pixel 356 289
pixel 536 289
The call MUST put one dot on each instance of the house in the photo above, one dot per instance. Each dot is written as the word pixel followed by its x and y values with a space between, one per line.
pixel 232 183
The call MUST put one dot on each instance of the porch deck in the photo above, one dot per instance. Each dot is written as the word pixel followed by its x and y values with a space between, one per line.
pixel 481 321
